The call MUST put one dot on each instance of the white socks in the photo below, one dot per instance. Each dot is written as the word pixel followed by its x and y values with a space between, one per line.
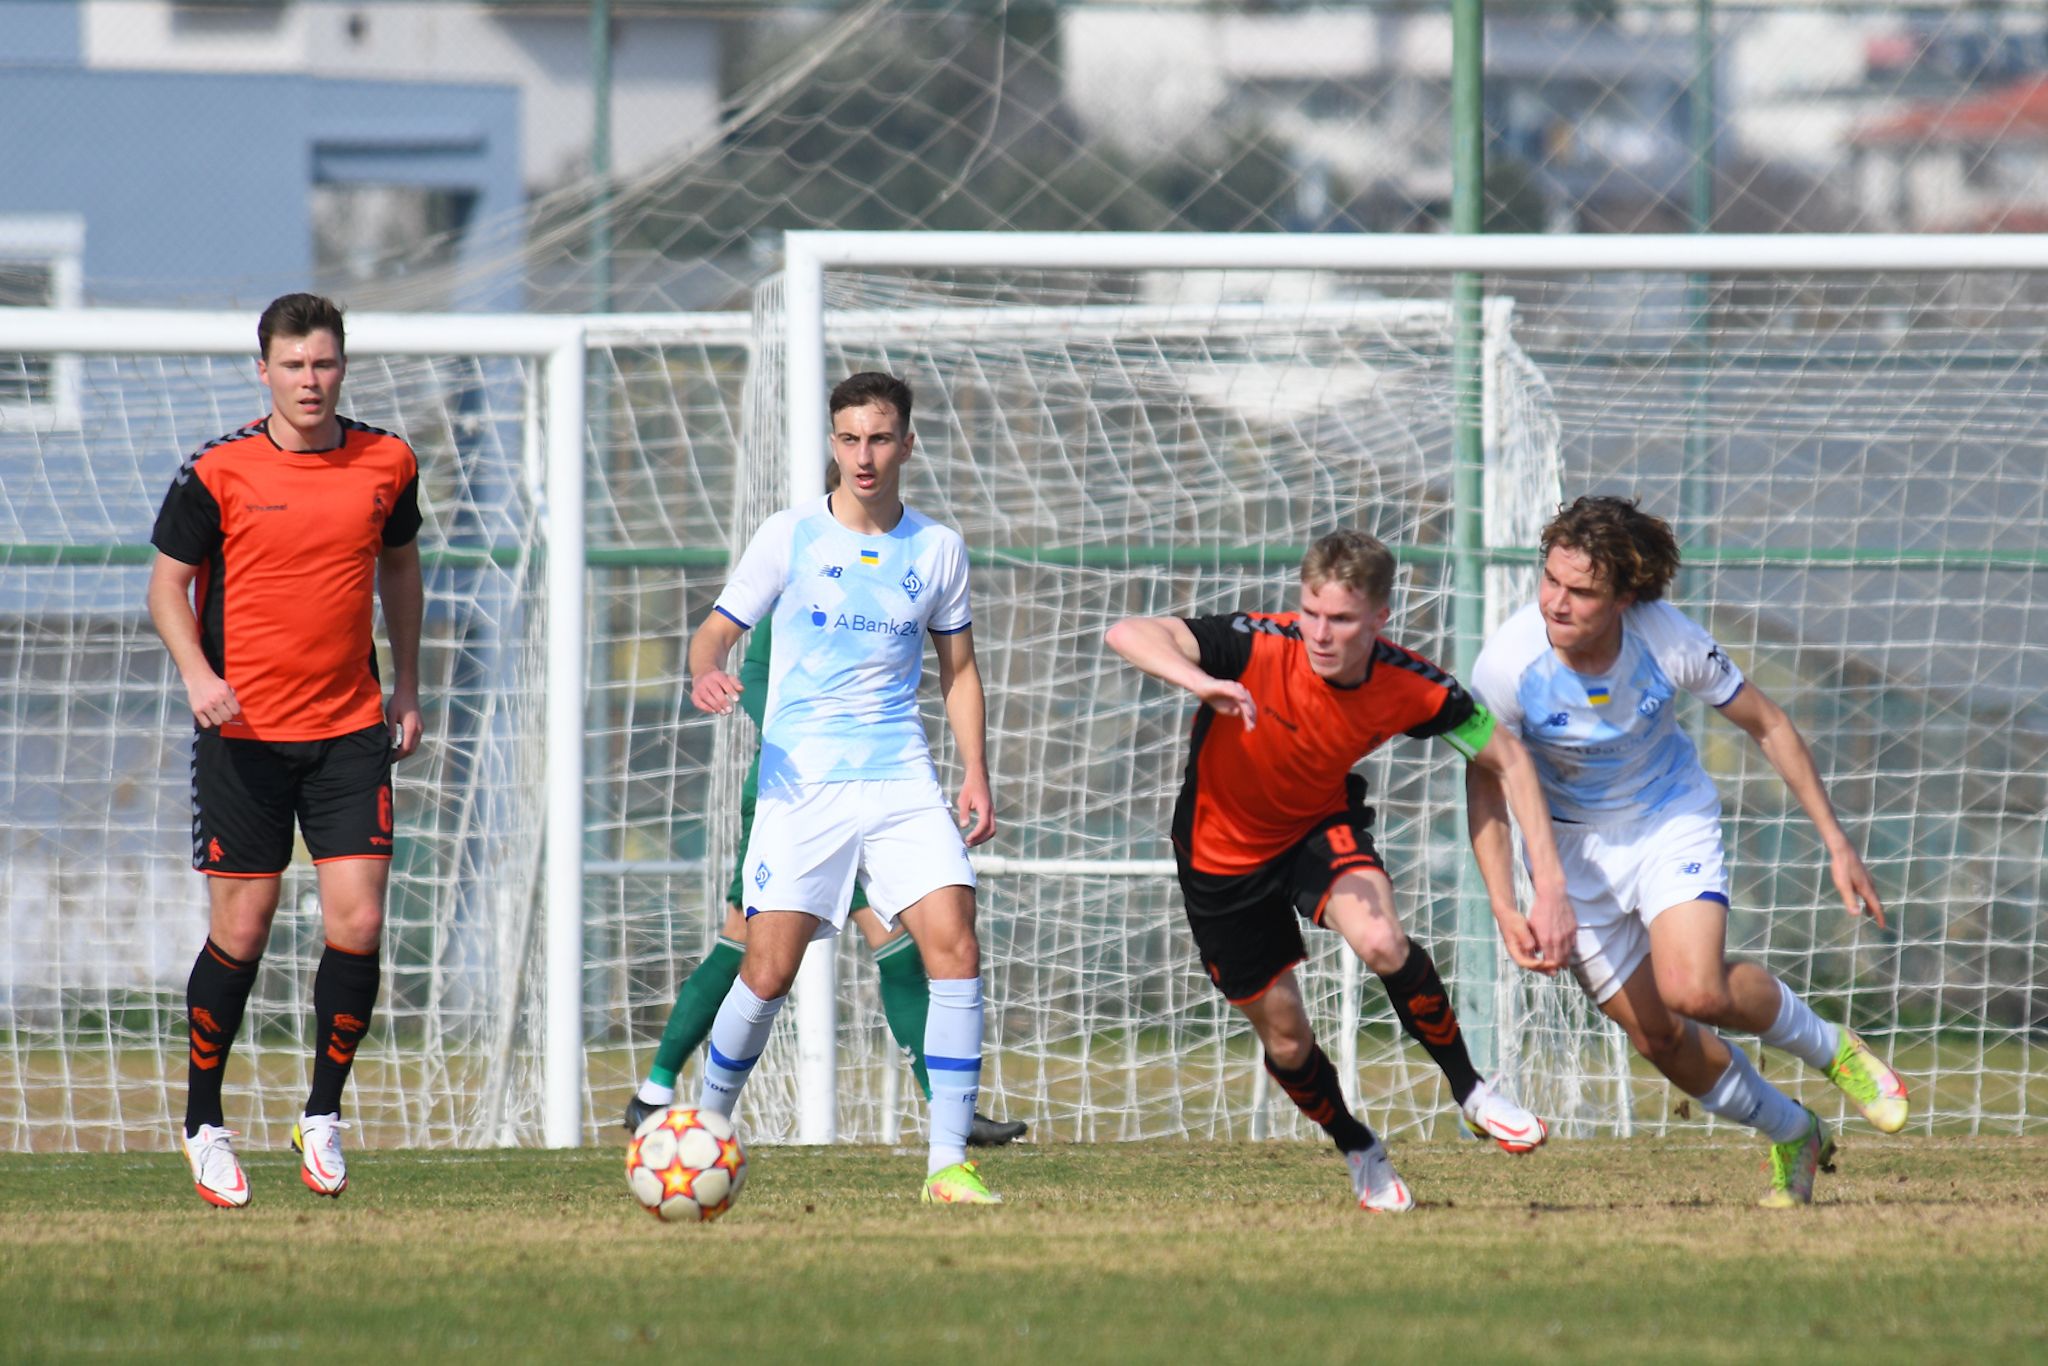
pixel 1745 1097
pixel 952 1055
pixel 1800 1032
pixel 738 1034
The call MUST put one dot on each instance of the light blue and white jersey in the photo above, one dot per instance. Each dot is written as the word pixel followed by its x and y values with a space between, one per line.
pixel 851 612
pixel 1607 747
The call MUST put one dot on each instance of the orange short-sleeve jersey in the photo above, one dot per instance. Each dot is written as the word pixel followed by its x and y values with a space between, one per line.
pixel 1249 796
pixel 287 545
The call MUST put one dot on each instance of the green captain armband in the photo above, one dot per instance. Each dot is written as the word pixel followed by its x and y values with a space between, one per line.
pixel 1472 734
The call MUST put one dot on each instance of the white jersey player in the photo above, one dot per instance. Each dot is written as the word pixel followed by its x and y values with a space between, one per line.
pixel 856 581
pixel 1589 677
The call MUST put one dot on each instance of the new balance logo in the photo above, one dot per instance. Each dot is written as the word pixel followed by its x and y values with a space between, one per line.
pixel 1558 718
pixel 831 571
pixel 1692 868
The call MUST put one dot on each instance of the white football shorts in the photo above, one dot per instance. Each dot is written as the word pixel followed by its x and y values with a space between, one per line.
pixel 809 843
pixel 1620 878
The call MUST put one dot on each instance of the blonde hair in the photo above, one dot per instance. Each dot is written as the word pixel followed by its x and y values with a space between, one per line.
pixel 1357 560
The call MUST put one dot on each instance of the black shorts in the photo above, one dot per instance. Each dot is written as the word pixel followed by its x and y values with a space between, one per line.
pixel 1245 924
pixel 245 794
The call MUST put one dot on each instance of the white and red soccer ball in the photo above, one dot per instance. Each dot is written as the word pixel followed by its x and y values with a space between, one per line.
pixel 686 1165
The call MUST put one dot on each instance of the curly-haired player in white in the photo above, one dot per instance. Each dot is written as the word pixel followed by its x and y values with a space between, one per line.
pixel 1588 677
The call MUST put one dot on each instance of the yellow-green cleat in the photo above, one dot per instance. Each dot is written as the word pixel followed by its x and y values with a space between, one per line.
pixel 959 1184
pixel 1864 1078
pixel 1794 1165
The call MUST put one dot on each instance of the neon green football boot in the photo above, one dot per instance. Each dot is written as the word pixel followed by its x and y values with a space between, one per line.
pixel 959 1184
pixel 1794 1165
pixel 1864 1078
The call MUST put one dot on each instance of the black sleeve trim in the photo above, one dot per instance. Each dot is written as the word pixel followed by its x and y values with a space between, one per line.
pixel 403 525
pixel 188 523
pixel 1457 705
pixel 1225 642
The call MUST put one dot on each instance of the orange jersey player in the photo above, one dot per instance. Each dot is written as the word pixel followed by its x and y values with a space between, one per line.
pixel 1272 828
pixel 272 544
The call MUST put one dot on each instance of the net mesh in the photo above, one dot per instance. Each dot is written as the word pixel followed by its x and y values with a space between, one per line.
pixel 101 916
pixel 1853 463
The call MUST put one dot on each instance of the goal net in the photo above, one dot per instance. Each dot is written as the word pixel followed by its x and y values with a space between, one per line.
pixel 100 916
pixel 1852 459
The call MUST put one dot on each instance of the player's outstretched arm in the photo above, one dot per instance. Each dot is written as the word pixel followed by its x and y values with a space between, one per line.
pixel 212 698
pixel 712 689
pixel 1500 778
pixel 1768 725
pixel 1165 648
pixel 402 589
pixel 967 714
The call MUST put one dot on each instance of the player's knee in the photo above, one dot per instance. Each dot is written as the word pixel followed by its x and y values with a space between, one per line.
pixel 241 914
pixel 1706 1001
pixel 1383 946
pixel 766 977
pixel 953 955
pixel 1289 1050
pixel 355 927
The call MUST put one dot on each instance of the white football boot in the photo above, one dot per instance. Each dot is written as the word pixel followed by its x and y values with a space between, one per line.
pixel 1379 1187
pixel 1489 1114
pixel 216 1171
pixel 317 1141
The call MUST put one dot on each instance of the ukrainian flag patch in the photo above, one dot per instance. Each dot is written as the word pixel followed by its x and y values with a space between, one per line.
pixel 870 557
pixel 1598 694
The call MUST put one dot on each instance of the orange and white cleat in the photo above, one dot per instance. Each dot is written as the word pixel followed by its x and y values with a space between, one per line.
pixel 317 1141
pixel 1489 1114
pixel 216 1171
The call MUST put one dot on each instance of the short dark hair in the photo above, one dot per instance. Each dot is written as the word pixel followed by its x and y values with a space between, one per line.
pixel 1633 550
pixel 299 315
pixel 1356 559
pixel 872 386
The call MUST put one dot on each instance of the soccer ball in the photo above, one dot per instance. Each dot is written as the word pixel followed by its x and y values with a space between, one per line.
pixel 686 1165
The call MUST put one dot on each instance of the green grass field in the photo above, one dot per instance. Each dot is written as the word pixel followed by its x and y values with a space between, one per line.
pixel 1919 1249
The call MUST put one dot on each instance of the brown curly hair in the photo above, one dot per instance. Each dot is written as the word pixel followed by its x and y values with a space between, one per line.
pixel 1633 550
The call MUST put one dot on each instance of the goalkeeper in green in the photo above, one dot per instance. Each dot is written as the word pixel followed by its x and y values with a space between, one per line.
pixel 906 995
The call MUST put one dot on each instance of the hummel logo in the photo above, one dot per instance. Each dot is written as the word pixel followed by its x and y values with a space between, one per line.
pixel 264 507
pixel 1282 720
